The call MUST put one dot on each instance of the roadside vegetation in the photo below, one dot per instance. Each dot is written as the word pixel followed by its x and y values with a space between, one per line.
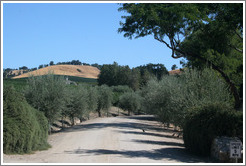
pixel 25 129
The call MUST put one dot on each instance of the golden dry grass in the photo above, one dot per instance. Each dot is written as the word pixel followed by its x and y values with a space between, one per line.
pixel 173 72
pixel 69 70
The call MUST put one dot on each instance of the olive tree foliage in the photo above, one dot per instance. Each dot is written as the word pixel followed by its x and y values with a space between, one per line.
pixel 77 103
pixel 47 94
pixel 92 100
pixel 104 99
pixel 204 34
pixel 118 91
pixel 130 101
pixel 171 98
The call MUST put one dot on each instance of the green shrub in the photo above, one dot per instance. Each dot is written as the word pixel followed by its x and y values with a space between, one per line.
pixel 131 102
pixel 204 123
pixel 24 128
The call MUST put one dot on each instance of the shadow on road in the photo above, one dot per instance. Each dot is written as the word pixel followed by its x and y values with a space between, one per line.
pixel 159 142
pixel 123 125
pixel 147 133
pixel 147 118
pixel 177 154
pixel 169 151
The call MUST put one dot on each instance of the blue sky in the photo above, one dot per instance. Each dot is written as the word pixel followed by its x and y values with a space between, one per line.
pixel 37 33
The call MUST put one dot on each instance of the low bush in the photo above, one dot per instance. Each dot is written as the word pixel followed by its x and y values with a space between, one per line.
pixel 25 129
pixel 204 123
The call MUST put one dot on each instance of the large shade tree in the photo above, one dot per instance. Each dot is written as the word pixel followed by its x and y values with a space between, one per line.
pixel 204 34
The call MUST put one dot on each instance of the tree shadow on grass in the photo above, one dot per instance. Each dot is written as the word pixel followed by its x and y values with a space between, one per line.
pixel 175 154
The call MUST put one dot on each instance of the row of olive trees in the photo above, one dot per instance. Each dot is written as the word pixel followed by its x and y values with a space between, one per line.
pixel 174 96
pixel 51 95
pixel 199 102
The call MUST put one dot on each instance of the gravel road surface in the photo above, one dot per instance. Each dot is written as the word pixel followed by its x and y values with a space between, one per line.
pixel 112 140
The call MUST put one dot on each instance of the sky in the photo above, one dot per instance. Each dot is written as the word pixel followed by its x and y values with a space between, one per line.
pixel 37 33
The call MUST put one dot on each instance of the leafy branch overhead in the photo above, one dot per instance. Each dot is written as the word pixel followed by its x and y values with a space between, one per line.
pixel 204 34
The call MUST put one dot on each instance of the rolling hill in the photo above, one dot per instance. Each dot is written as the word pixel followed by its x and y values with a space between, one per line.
pixel 67 70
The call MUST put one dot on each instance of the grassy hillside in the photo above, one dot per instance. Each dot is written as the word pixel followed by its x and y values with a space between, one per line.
pixel 68 70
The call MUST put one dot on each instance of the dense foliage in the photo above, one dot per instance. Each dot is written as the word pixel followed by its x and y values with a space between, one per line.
pixel 76 103
pixel 47 94
pixel 205 122
pixel 199 102
pixel 131 102
pixel 104 99
pixel 135 78
pixel 172 97
pixel 118 91
pixel 204 34
pixel 25 129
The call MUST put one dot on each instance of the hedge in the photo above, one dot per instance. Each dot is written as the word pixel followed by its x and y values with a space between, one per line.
pixel 206 122
pixel 25 129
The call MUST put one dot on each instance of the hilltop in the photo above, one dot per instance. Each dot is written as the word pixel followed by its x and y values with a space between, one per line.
pixel 84 71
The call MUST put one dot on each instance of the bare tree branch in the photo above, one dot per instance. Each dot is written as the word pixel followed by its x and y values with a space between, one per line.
pixel 162 41
pixel 172 47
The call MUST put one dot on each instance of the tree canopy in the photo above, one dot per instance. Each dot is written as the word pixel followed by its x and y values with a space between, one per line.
pixel 204 34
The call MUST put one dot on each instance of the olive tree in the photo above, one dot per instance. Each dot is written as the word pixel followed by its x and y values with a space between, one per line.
pixel 47 94
pixel 92 100
pixel 104 99
pixel 77 104
pixel 130 101
pixel 171 98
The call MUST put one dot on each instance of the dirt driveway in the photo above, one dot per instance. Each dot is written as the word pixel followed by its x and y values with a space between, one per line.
pixel 112 140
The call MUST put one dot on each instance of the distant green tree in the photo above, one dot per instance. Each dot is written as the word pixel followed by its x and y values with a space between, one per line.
pixel 97 66
pixel 108 75
pixel 134 79
pixel 51 63
pixel 40 66
pixel 157 70
pixel 23 68
pixel 122 75
pixel 145 76
pixel 33 69
pixel 174 67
